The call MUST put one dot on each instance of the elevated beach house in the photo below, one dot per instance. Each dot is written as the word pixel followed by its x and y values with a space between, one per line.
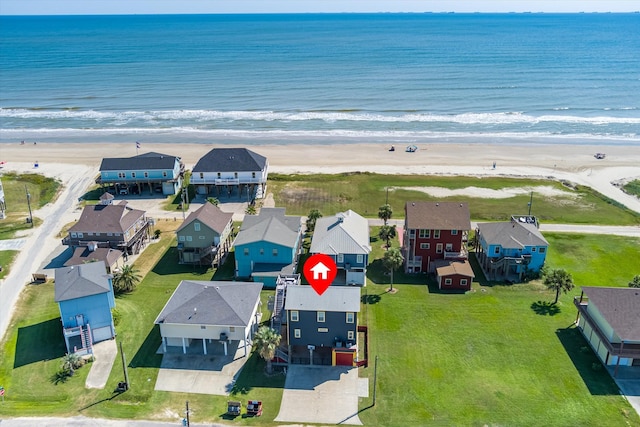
pixel 108 225
pixel 609 319
pixel 84 294
pixel 231 172
pixel 322 329
pixel 434 231
pixel 268 245
pixel 205 236
pixel 509 250
pixel 204 317
pixel 345 238
pixel 149 172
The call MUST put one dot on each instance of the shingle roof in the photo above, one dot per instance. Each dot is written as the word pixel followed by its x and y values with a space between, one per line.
pixel 106 219
pixel 230 160
pixel 448 268
pixel 437 215
pixel 81 281
pixel 211 303
pixel 512 234
pixel 147 161
pixel 345 233
pixel 335 299
pixel 271 225
pixel 211 216
pixel 82 255
pixel 620 307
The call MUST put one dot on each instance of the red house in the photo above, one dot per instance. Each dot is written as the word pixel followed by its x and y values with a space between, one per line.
pixel 434 231
pixel 454 275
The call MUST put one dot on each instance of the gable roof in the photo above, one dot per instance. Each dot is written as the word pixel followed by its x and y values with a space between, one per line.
pixel 449 268
pixel 231 160
pixel 82 255
pixel 512 234
pixel 437 216
pixel 107 219
pixel 271 225
pixel 211 303
pixel 210 215
pixel 146 161
pixel 345 233
pixel 81 281
pixel 335 299
pixel 620 307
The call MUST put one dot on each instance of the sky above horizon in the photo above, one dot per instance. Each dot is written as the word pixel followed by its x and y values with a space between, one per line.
pixel 91 7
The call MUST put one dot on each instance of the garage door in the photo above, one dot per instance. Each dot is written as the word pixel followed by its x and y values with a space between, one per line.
pixel 102 334
pixel 344 359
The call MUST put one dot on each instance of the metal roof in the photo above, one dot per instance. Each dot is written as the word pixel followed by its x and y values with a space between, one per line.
pixel 335 299
pixel 345 233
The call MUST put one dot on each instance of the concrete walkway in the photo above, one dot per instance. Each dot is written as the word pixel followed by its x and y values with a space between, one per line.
pixel 105 353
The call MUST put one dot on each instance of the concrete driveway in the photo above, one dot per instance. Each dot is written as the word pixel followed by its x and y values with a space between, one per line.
pixel 322 394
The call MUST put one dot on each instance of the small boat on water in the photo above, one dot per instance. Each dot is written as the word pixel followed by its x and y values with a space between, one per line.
pixel 411 149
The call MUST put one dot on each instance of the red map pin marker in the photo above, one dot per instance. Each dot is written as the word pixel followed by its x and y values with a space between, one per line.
pixel 320 270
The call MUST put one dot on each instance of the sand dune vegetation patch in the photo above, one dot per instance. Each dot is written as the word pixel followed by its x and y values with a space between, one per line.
pixel 489 193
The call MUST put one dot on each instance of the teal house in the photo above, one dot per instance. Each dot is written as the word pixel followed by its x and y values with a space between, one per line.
pixel 84 294
pixel 145 173
pixel 267 246
pixel 510 250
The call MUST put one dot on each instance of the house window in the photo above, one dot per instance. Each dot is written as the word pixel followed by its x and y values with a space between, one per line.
pixel 463 282
pixel 275 252
pixel 436 234
pixel 253 174
pixel 201 237
pixel 412 233
pixel 115 234
pixel 146 174
pixel 425 234
pixel 261 251
pixel 359 259
pixel 496 250
pixel 320 317
pixel 439 248
pixel 350 317
pixel 454 232
pixel 232 328
pixel 246 251
pixel 542 250
pixel 133 174
pixel 80 235
pixel 425 245
pixel 121 175
pixel 447 282
pixel 448 247
pixel 201 175
pixel 189 238
pixel 74 234
pixel 196 226
pixel 350 335
pixel 91 234
pixel 164 174
pixel 203 327
pixel 98 234
pixel 323 329
pixel 296 333
pixel 533 249
pixel 340 257
pixel 294 315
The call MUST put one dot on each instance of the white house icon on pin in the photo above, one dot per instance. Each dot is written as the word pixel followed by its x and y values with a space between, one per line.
pixel 320 271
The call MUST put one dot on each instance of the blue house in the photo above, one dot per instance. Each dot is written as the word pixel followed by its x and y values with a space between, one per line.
pixel 267 246
pixel 345 238
pixel 322 329
pixel 509 250
pixel 149 172
pixel 84 294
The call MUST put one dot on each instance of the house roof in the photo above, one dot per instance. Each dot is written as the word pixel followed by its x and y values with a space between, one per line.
pixel 512 234
pixel 620 307
pixel 230 160
pixel 210 215
pixel 271 225
pixel 107 219
pixel 82 255
pixel 211 303
pixel 345 233
pixel 146 161
pixel 437 215
pixel 81 281
pixel 449 268
pixel 335 299
pixel 107 196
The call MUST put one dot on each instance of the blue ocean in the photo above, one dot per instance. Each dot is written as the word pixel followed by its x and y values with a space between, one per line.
pixel 321 78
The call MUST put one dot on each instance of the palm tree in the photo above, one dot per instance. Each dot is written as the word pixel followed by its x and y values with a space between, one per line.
pixel 266 341
pixel 312 217
pixel 635 282
pixel 251 210
pixel 558 280
pixel 213 201
pixel 126 279
pixel 71 362
pixel 385 212
pixel 393 259
pixel 386 233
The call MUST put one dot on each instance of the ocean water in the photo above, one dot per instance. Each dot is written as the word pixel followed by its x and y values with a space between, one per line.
pixel 322 78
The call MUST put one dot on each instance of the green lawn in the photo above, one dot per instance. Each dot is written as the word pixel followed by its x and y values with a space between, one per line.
pixel 6 260
pixel 633 187
pixel 366 192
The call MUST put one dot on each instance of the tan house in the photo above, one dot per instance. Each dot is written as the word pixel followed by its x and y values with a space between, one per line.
pixel 205 236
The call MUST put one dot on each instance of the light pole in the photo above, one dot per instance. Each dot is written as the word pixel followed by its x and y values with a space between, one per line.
pixel 29 204
pixel 530 203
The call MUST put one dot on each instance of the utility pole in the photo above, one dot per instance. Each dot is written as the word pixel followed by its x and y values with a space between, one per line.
pixel 29 204
pixel 530 203
pixel 375 378
pixel 184 200
pixel 124 368
pixel 187 412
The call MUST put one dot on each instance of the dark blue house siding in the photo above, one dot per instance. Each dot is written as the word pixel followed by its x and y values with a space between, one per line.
pixel 335 323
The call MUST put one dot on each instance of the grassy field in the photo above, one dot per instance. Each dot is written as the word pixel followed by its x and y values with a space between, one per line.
pixel 41 189
pixel 366 192
pixel 633 187
pixel 6 260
